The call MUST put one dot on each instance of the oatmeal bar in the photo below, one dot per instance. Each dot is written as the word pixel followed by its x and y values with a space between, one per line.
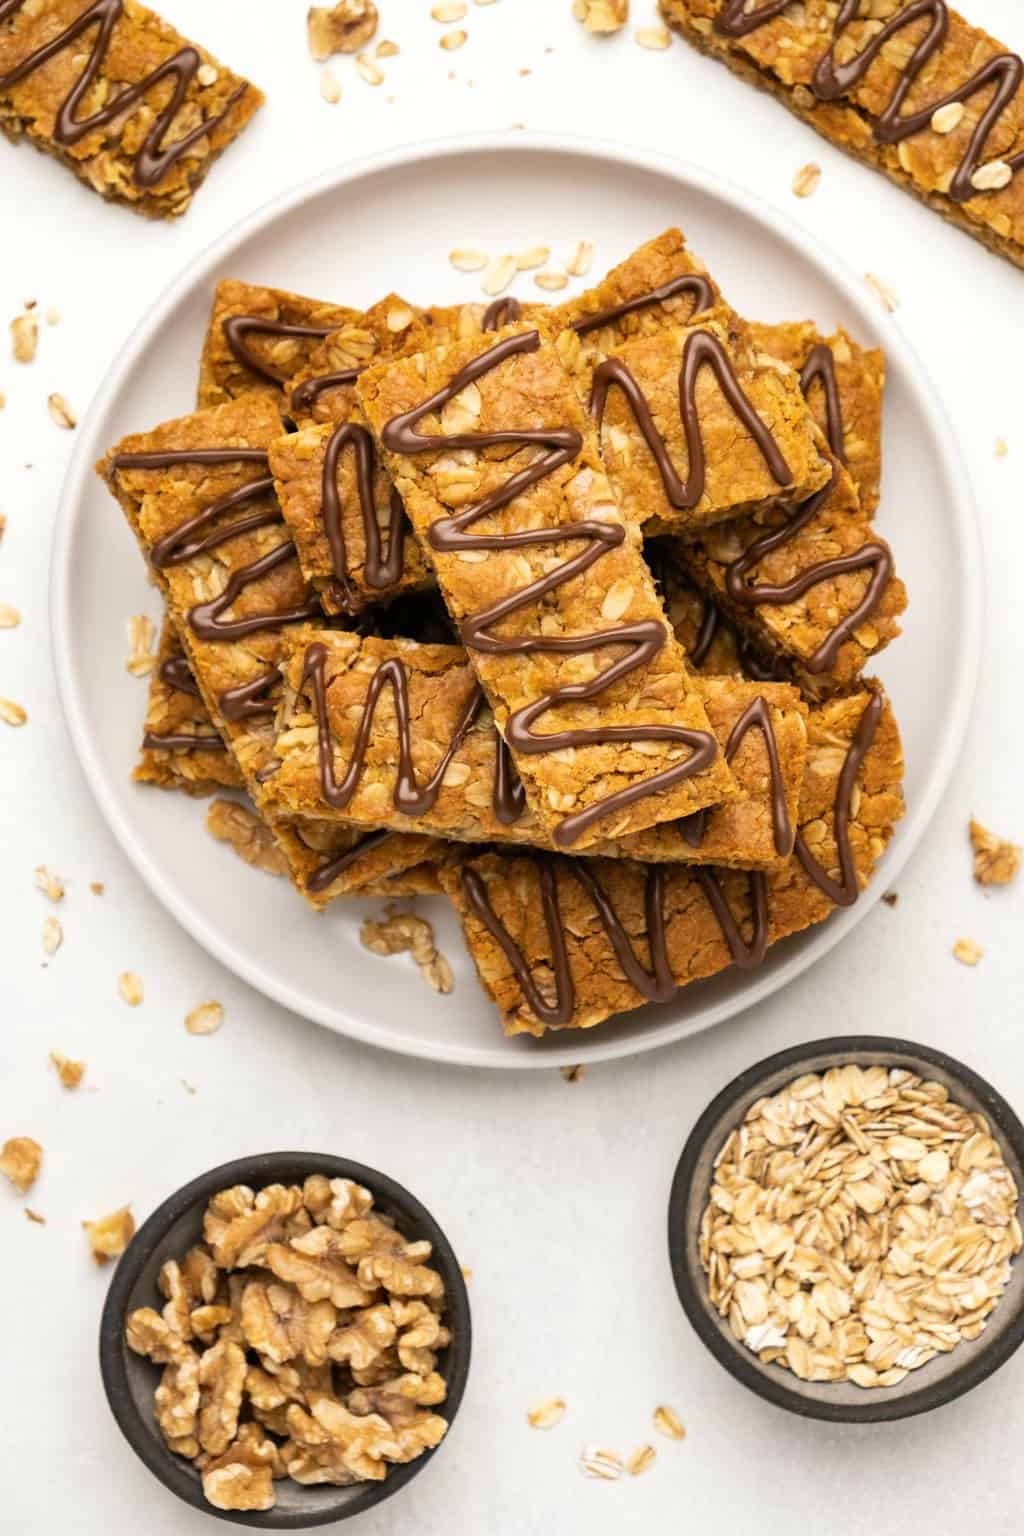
pixel 133 109
pixel 181 746
pixel 258 338
pixel 322 387
pixel 659 286
pixel 198 496
pixel 843 384
pixel 352 537
pixel 815 587
pixel 567 943
pixel 910 88
pixel 392 733
pixel 534 542
pixel 695 430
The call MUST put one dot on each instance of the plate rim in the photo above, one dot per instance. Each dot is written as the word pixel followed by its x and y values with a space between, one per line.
pixel 740 200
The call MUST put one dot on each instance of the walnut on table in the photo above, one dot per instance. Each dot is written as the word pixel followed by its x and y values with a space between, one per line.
pixel 21 1160
pixel 996 861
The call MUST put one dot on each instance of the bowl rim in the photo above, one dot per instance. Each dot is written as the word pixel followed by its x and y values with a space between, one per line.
pixel 258 1170
pixel 689 1281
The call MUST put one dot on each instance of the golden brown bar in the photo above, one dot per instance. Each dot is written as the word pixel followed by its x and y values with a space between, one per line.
pixel 181 746
pixel 565 944
pixel 911 89
pixel 258 337
pixel 504 484
pixel 136 111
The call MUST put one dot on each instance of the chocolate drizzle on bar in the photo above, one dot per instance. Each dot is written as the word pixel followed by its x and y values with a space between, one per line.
pixel 326 874
pixel 503 311
pixel 177 674
pixel 181 742
pixel 179 546
pixel 410 797
pixel 380 570
pixel 154 159
pixel 820 367
pixel 656 984
pixel 248 701
pixel 872 556
pixel 701 350
pixel 692 284
pixel 747 956
pixel 643 640
pixel 305 396
pixel 846 889
pixel 238 328
pixel 832 80
pixel 757 715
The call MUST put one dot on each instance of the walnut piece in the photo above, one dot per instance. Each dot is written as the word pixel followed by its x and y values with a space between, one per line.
pixel 281 1324
pixel 222 1371
pixel 342 28
pixel 70 1072
pixel 21 1160
pixel 251 838
pixel 996 861
pixel 401 932
pixel 239 1225
pixel 315 1265
pixel 110 1235
pixel 242 1477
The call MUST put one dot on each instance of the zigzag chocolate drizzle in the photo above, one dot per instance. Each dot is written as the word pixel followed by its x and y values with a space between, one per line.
pixel 832 80
pixel 845 891
pixel 175 742
pixel 178 546
pixel 656 985
pixel 644 640
pixel 326 874
pixel 746 956
pixel 697 287
pixel 380 570
pixel 700 350
pixel 820 367
pixel 151 162
pixel 236 330
pixel 177 674
pixel 410 797
pixel 757 715
pixel 304 396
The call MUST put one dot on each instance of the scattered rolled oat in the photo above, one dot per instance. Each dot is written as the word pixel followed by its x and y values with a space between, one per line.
pixel 251 838
pixel 573 1074
pixel 403 932
pixel 454 10
pixel 206 1019
pixel 368 70
pixel 597 1461
pixel 330 86
pixel 860 1222
pixel 467 259
pixel 668 1423
pixel 342 28
pixel 806 179
pixel 61 412
pixel 141 640
pixel 452 40
pixel 653 37
pixel 24 338
pixel 53 313
pixel 51 885
pixel 10 618
pixel 386 49
pixel 97 887
pixel 109 1236
pixel 70 1072
pixel 996 861
pixel 34 1216
pixel 547 1413
pixel 536 256
pixel 551 282
pixel 11 713
pixel 580 258
pixel 888 297
pixel 53 936
pixel 20 1160
pixel 130 988
pixel 601 16
pixel 967 951
pixel 641 1460
pixel 498 275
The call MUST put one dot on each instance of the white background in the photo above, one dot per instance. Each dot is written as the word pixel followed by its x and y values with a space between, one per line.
pixel 553 1194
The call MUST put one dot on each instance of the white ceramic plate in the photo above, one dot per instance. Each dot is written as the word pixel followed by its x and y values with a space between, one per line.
pixel 389 223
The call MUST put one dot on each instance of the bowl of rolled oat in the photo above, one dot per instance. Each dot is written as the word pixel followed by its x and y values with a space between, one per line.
pixel 286 1340
pixel 844 1229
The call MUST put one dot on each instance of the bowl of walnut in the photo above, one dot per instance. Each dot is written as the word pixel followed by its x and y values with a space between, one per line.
pixel 286 1340
pixel 844 1229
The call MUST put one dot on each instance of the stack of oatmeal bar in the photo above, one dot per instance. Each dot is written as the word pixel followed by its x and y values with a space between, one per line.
pixel 561 611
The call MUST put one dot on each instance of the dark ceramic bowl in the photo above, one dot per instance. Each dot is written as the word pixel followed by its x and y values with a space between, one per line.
pixel 940 1381
pixel 130 1380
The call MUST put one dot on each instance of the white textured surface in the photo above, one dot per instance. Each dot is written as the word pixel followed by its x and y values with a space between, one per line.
pixel 554 1194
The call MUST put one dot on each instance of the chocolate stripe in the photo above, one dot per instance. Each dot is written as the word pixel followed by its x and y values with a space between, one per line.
pixel 237 329
pixel 845 891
